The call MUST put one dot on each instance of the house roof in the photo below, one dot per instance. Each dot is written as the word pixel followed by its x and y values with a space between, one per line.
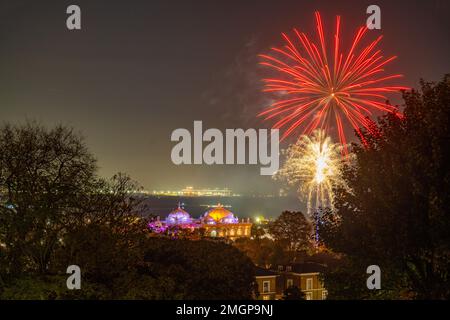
pixel 261 272
pixel 306 267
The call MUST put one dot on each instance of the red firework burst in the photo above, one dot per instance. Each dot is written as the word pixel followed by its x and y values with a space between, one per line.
pixel 316 92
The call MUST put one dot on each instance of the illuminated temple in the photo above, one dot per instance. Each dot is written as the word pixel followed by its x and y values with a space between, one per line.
pixel 216 222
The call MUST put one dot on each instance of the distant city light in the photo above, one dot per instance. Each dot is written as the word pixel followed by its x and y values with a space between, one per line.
pixel 189 191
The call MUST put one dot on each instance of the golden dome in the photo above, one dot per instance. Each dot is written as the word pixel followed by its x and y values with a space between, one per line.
pixel 219 214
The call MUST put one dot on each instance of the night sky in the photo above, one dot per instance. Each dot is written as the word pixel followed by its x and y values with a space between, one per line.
pixel 140 69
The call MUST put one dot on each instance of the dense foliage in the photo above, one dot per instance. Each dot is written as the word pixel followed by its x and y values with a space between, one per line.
pixel 396 212
pixel 55 212
pixel 286 239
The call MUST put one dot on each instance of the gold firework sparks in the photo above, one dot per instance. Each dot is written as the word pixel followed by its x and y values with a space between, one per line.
pixel 313 164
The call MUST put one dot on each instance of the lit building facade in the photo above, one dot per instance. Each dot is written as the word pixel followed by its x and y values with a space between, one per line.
pixel 222 223
pixel 305 276
pixel 266 281
pixel 217 222
pixel 272 284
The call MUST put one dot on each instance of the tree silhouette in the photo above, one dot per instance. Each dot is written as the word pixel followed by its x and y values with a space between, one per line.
pixel 396 214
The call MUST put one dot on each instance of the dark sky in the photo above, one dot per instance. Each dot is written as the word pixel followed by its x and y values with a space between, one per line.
pixel 140 69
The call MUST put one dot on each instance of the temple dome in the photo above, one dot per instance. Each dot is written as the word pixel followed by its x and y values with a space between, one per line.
pixel 178 216
pixel 219 214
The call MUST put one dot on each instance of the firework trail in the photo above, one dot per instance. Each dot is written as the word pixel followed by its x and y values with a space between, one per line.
pixel 313 164
pixel 320 88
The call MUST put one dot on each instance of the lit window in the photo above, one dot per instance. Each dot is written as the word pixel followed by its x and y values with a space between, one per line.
pixel 288 268
pixel 266 286
pixel 309 284
pixel 266 297
pixel 280 268
pixel 289 283
pixel 309 296
pixel 324 294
